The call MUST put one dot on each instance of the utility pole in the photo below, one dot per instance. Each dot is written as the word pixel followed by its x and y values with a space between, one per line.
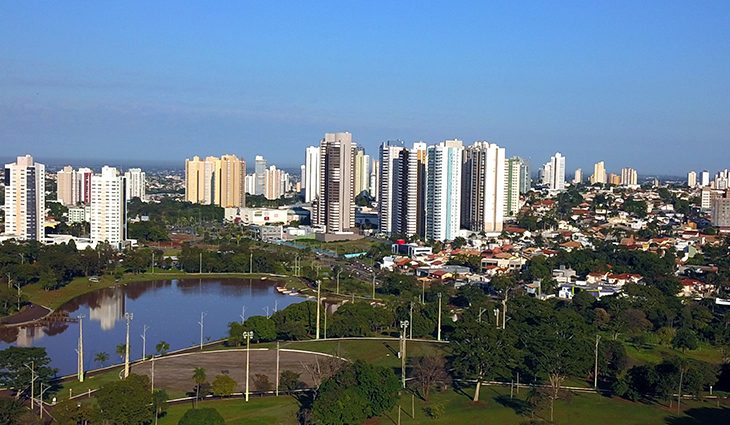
pixel 277 368
pixel 152 382
pixel 319 300
pixel 17 285
pixel 595 369
pixel 423 292
pixel 504 310
pixel 200 270
pixel 250 266
pixel 481 311
pixel 40 397
pixel 80 351
pixel 496 315
pixel 337 290
pixel 243 314
pixel 248 335
pixel 410 328
pixel 32 383
pixel 373 285
pixel 201 323
pixel 128 317
pixel 144 342
pixel 438 330
pixel 153 262
pixel 403 327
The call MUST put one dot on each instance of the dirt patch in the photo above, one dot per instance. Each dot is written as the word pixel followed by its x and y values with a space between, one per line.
pixel 28 314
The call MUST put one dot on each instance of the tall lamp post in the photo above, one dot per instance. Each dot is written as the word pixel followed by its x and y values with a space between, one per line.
pixel 595 369
pixel 403 326
pixel 80 350
pixel 337 290
pixel 201 323
pixel 248 335
pixel 438 330
pixel 128 317
pixel 144 342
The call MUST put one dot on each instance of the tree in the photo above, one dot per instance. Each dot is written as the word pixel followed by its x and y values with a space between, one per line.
pixel 204 416
pixel 199 378
pixel 685 339
pixel 101 358
pixel 289 380
pixel 356 393
pixel 223 385
pixel 13 372
pixel 159 402
pixel 162 348
pixel 126 402
pixel 262 383
pixel 10 411
pixel 121 350
pixel 429 371
pixel 480 352
pixel 70 412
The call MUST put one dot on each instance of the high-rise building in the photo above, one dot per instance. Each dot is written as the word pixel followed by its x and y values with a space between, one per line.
pixel 721 211
pixel 66 186
pixel 260 171
pixel 83 185
pixel 443 190
pixel 272 186
pixel 692 179
pixel 25 199
pixel 578 177
pixel 706 198
pixel 334 207
pixel 705 181
pixel 311 170
pixel 554 172
pixel 250 183
pixel 135 183
pixel 108 213
pixel 599 173
pixel 515 174
pixel 216 181
pixel 483 187
pixel 614 179
pixel 302 177
pixel 375 179
pixel 629 177
pixel 525 179
pixel 362 171
pixel 401 192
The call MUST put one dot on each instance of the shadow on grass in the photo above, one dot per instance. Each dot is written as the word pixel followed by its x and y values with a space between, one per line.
pixel 519 406
pixel 702 416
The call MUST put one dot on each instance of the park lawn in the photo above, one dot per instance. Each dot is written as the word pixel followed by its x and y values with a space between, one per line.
pixel 496 407
pixel 92 382
pixel 342 247
pixel 258 411
pixel 657 353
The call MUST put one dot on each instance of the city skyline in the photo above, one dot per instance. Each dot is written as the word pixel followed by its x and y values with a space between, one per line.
pixel 629 84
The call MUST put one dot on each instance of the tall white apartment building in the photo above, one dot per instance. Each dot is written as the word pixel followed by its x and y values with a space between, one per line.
pixel 66 186
pixel 250 183
pixel 629 177
pixel 25 198
pixel 260 171
pixel 108 215
pixel 514 181
pixel 401 192
pixel 375 179
pixel 554 172
pixel 692 179
pixel 83 185
pixel 135 184
pixel 334 207
pixel 311 173
pixel 483 187
pixel 362 171
pixel 599 173
pixel 273 183
pixel 443 190
pixel 705 180
pixel 578 177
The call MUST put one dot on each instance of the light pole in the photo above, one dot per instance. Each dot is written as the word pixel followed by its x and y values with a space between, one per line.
pixel 248 335
pixel 410 328
pixel 319 300
pixel 144 341
pixel 595 368
pixel 17 285
pixel 373 285
pixel 200 270
pixel 243 314
pixel 423 292
pixel 403 326
pixel 80 351
pixel 250 269
pixel 496 315
pixel 337 290
pixel 438 330
pixel 481 311
pixel 153 262
pixel 201 323
pixel 40 397
pixel 277 368
pixel 128 317
pixel 32 383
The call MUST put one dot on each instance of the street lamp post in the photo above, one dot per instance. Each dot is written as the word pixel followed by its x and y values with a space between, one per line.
pixel 403 326
pixel 32 383
pixel 153 262
pixel 337 290
pixel 410 328
pixel 128 317
pixel 438 330
pixel 80 351
pixel 248 335
pixel 423 292
pixel 144 341
pixel 201 323
pixel 373 285
pixel 277 368
pixel 595 369
pixel 319 300
pixel 481 311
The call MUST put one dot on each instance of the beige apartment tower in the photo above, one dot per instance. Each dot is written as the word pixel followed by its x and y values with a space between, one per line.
pixel 334 207
pixel 216 181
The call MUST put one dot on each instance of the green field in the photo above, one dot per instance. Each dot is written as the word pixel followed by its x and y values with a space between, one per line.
pixel 496 407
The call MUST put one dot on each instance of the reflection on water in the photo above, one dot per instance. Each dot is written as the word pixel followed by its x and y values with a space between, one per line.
pixel 171 310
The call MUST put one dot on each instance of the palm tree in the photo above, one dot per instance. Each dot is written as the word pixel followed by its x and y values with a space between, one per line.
pixel 101 358
pixel 199 378
pixel 121 350
pixel 162 347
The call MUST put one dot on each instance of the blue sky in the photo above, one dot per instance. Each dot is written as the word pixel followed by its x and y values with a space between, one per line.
pixel 643 84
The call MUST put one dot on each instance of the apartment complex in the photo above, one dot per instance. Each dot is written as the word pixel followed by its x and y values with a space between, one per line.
pixel 108 209
pixel 216 181
pixel 334 207
pixel 25 198
pixel 483 187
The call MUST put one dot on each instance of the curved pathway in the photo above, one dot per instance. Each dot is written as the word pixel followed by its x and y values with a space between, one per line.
pixel 29 314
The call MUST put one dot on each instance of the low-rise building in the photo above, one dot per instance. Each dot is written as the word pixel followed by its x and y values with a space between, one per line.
pixel 256 216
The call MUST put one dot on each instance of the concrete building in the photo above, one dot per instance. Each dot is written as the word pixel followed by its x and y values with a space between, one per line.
pixel 108 212
pixel 83 185
pixel 273 183
pixel 599 173
pixel 629 177
pixel 721 212
pixel 705 178
pixel 375 179
pixel 578 177
pixel 516 172
pixel 362 171
pixel 260 172
pixel 483 187
pixel 136 181
pixel 257 216
pixel 311 171
pixel 216 181
pixel 250 183
pixel 554 172
pixel 25 199
pixel 692 179
pixel 334 207
pixel 402 195
pixel 79 214
pixel 443 190
pixel 66 186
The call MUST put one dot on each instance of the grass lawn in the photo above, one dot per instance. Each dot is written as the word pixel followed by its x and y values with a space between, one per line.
pixel 657 353
pixel 383 353
pixel 342 247
pixel 495 407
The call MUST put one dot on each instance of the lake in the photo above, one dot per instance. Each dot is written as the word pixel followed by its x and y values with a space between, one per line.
pixel 170 309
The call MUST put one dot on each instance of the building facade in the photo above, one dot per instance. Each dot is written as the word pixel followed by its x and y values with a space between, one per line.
pixel 66 186
pixel 108 212
pixel 443 190
pixel 136 182
pixel 483 186
pixel 25 199
pixel 311 171
pixel 334 207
